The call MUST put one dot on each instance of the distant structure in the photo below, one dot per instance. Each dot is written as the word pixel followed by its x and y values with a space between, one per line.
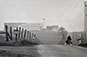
pixel 28 26
pixel 85 24
pixel 52 28
pixel 85 15
pixel 43 22
pixel 33 26
pixel 81 36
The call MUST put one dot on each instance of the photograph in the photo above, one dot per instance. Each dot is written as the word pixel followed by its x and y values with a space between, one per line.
pixel 43 28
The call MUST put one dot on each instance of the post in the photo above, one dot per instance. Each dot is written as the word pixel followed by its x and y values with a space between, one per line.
pixel 25 33
pixel 16 32
pixel 19 36
pixel 30 35
pixel 22 32
pixel 16 38
pixel 30 39
pixel 6 29
pixel 84 36
pixel 11 32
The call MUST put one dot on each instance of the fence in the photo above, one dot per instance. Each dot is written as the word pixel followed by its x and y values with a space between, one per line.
pixel 19 33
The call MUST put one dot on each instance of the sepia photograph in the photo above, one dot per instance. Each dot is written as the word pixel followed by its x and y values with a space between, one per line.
pixel 43 28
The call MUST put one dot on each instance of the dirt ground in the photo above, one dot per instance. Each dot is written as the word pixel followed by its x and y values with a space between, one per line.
pixel 43 51
pixel 8 51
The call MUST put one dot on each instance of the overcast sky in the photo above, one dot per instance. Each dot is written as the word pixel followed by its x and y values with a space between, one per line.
pixel 66 13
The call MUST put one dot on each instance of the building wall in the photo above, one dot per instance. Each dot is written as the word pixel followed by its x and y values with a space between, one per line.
pixel 75 36
pixel 52 28
pixel 85 16
pixel 85 20
pixel 78 35
pixel 28 26
pixel 49 37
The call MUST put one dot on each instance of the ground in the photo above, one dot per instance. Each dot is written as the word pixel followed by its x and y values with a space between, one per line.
pixel 43 51
pixel 62 51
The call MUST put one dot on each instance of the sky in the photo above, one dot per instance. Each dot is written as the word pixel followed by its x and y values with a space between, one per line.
pixel 64 13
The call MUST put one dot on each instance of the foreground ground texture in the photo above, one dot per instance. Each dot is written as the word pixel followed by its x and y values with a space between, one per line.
pixel 43 51
pixel 62 51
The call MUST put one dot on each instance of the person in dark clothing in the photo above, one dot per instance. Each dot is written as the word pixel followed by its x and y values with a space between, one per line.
pixel 68 41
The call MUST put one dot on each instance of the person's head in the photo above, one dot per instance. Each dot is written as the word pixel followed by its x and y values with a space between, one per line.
pixel 69 38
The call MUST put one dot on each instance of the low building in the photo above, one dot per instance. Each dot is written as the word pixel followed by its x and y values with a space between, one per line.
pixel 28 26
pixel 78 37
pixel 52 28
pixel 32 26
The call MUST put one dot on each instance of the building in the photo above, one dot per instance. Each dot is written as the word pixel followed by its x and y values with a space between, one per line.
pixel 52 28
pixel 28 26
pixel 85 19
pixel 81 37
pixel 75 37
pixel 32 26
pixel 85 16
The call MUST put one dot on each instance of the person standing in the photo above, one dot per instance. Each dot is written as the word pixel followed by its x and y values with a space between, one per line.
pixel 69 40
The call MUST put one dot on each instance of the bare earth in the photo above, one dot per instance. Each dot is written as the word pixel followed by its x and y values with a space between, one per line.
pixel 9 51
pixel 43 51
pixel 61 51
